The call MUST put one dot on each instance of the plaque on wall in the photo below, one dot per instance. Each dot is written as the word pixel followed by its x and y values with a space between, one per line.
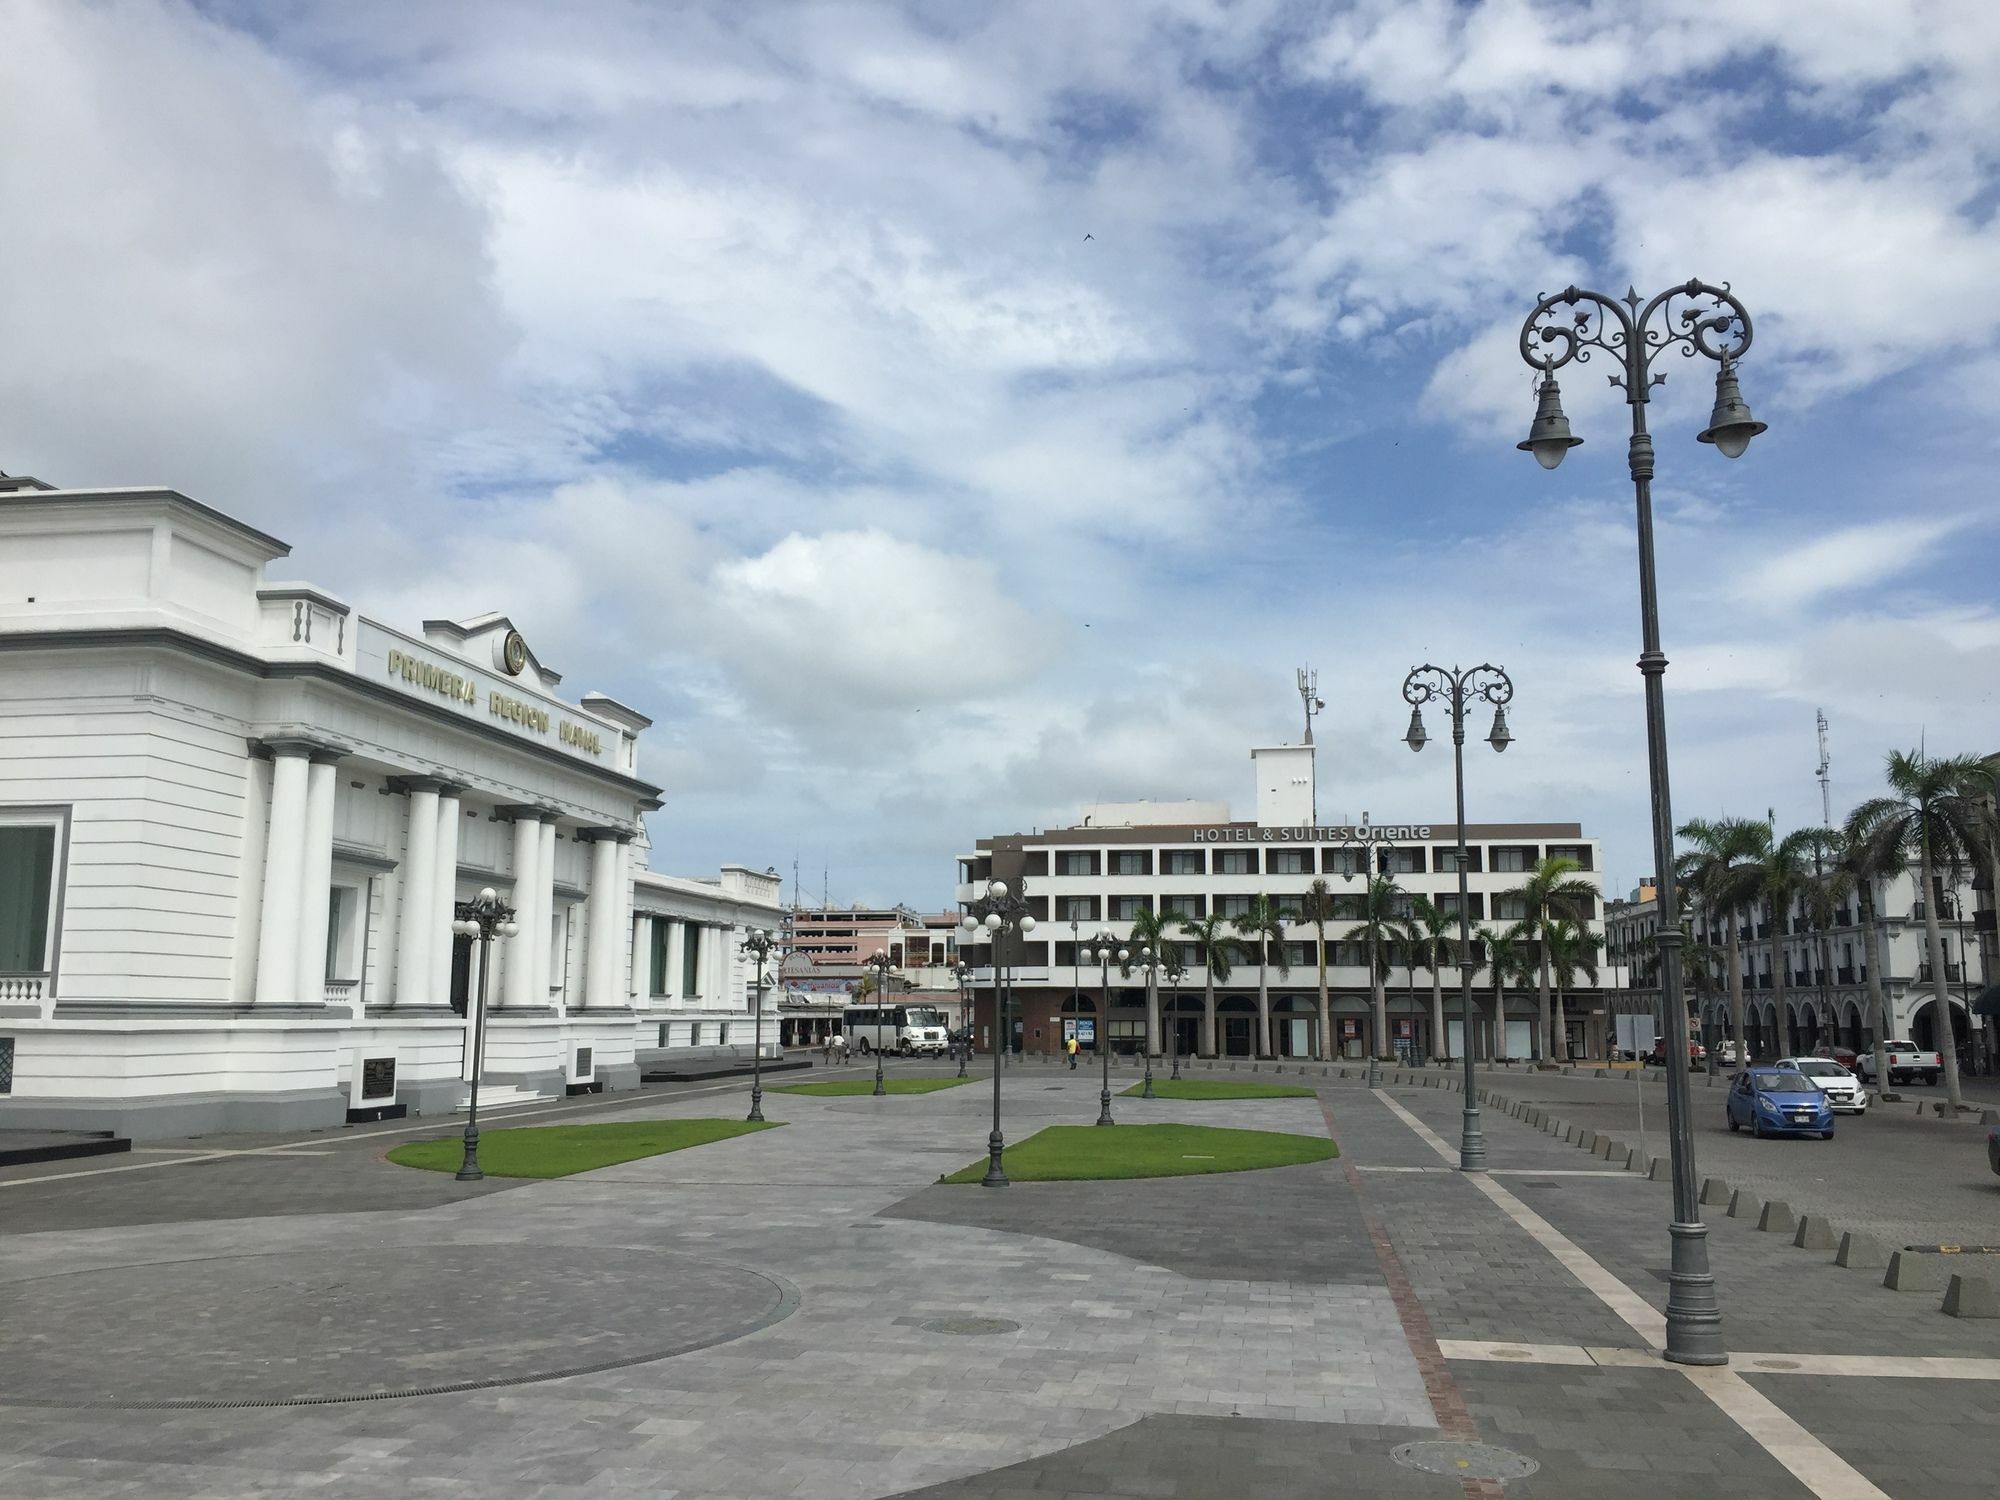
pixel 378 1078
pixel 583 1062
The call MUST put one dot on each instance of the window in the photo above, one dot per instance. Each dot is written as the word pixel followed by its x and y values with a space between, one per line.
pixel 1512 859
pixel 694 1034
pixel 690 960
pixel 1232 906
pixel 1236 861
pixel 1291 862
pixel 1510 908
pixel 1127 908
pixel 1184 862
pixel 1076 862
pixel 724 1038
pixel 27 895
pixel 663 1033
pixel 656 956
pixel 1578 852
pixel 1441 859
pixel 1131 862
pixel 1182 906
pixel 1405 861
pixel 1448 904
pixel 1076 909
pixel 1300 955
pixel 1340 861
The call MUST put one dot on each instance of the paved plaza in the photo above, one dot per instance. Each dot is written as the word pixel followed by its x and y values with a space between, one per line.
pixel 808 1312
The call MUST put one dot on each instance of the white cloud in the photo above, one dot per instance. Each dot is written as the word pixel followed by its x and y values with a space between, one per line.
pixel 1844 560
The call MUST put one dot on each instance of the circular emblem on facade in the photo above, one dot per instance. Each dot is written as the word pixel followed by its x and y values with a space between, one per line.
pixel 513 653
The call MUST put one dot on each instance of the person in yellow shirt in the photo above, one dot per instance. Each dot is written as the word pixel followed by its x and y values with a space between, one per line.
pixel 1070 1047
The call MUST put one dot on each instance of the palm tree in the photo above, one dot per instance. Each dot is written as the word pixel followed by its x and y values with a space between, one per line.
pixel 1866 863
pixel 1553 889
pixel 1783 868
pixel 1937 811
pixel 1569 949
pixel 1718 871
pixel 1381 909
pixel 1261 926
pixel 1151 929
pixel 1825 891
pixel 1701 967
pixel 1316 907
pixel 1506 956
pixel 1428 934
pixel 1214 947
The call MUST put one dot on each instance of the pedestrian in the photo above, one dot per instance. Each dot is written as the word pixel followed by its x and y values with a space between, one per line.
pixel 1070 1047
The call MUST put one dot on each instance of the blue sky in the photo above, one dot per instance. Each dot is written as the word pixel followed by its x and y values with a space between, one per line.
pixel 754 359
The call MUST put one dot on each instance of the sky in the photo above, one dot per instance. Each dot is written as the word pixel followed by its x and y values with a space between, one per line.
pixel 938 417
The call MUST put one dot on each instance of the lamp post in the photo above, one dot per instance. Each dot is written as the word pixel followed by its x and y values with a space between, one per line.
pixel 1572 325
pixel 1362 842
pixel 1105 953
pixel 999 912
pixel 759 945
pixel 482 919
pixel 882 967
pixel 1175 971
pixel 1150 962
pixel 962 973
pixel 1491 684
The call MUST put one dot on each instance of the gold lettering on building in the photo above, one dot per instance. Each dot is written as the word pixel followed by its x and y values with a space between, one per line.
pixel 432 678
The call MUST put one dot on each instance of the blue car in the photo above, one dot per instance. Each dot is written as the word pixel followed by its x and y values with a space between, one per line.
pixel 1779 1101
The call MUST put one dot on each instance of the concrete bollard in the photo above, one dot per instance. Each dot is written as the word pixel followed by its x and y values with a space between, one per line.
pixel 1909 1272
pixel 1970 1297
pixel 1744 1204
pixel 1661 1170
pixel 1862 1252
pixel 1814 1233
pixel 1587 1139
pixel 1777 1218
pixel 1605 1147
pixel 1641 1162
pixel 1989 1117
pixel 1715 1190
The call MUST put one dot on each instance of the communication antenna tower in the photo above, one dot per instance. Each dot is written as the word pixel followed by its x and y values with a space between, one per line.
pixel 1309 695
pixel 1825 760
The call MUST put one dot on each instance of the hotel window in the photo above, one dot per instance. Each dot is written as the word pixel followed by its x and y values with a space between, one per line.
pixel 1512 859
pixel 1340 861
pixel 1232 906
pixel 690 959
pixel 1405 861
pixel 1236 861
pixel 1131 862
pixel 1441 859
pixel 1127 908
pixel 1300 955
pixel 1291 862
pixel 1077 909
pixel 1076 862
pixel 1183 862
pixel 1181 906
pixel 1578 852
pixel 28 865
pixel 1510 908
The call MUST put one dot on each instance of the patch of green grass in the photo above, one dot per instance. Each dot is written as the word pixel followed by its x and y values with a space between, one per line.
pixel 1094 1153
pixel 1218 1088
pixel 848 1087
pixel 559 1150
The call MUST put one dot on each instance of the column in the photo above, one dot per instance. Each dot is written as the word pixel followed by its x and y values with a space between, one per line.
pixel 520 962
pixel 601 955
pixel 316 876
pixel 278 921
pixel 415 907
pixel 444 891
pixel 545 913
pixel 677 931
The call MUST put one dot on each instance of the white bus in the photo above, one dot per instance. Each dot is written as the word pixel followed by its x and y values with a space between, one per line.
pixel 905 1029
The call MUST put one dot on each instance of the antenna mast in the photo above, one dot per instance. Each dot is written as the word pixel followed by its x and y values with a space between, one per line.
pixel 1309 696
pixel 1825 785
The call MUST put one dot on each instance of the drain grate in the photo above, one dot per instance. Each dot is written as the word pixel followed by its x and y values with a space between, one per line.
pixel 973 1327
pixel 1464 1460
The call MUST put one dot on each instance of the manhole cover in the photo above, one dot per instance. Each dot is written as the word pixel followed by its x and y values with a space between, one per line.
pixel 972 1326
pixel 1464 1460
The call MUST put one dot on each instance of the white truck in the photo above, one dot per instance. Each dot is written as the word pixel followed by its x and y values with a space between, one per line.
pixel 1905 1061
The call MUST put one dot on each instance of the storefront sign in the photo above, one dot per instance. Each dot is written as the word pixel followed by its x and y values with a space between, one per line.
pixel 1334 835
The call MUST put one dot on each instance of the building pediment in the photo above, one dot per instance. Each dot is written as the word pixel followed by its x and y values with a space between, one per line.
pixel 490 640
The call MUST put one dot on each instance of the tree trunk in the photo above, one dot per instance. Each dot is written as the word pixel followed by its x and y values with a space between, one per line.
pixel 1325 1021
pixel 1263 1006
pixel 1780 984
pixel 1153 1047
pixel 1499 1053
pixel 1208 1011
pixel 1735 946
pixel 1871 955
pixel 1546 1046
pixel 1940 996
pixel 1378 994
pixel 1559 1038
pixel 1437 1013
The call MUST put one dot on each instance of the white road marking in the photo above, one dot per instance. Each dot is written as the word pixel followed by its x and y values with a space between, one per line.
pixel 1892 1366
pixel 1811 1462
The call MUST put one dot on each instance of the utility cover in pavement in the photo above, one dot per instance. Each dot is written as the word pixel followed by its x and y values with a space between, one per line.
pixel 1464 1460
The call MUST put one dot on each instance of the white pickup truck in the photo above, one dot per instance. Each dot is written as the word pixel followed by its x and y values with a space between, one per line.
pixel 1905 1060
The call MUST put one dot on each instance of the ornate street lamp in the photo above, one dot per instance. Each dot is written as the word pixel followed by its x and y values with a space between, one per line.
pixel 1573 325
pixel 1490 684
pixel 1368 850
pixel 1106 951
pixel 759 945
pixel 1175 971
pixel 961 972
pixel 998 912
pixel 882 967
pixel 482 919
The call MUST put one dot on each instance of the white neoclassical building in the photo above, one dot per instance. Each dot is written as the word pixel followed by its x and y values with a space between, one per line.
pixel 235 816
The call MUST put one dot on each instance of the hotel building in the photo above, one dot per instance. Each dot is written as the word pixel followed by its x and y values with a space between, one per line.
pixel 235 816
pixel 1191 859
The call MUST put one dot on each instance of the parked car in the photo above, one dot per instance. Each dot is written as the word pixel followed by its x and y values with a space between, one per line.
pixel 1658 1056
pixel 1725 1053
pixel 1778 1101
pixel 1845 1056
pixel 1842 1089
pixel 1906 1061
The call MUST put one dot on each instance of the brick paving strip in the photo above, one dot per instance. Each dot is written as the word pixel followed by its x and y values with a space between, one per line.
pixel 1811 1462
pixel 1447 1403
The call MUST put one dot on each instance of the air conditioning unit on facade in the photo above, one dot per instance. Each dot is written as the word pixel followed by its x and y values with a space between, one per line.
pixel 580 1070
pixel 371 1088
